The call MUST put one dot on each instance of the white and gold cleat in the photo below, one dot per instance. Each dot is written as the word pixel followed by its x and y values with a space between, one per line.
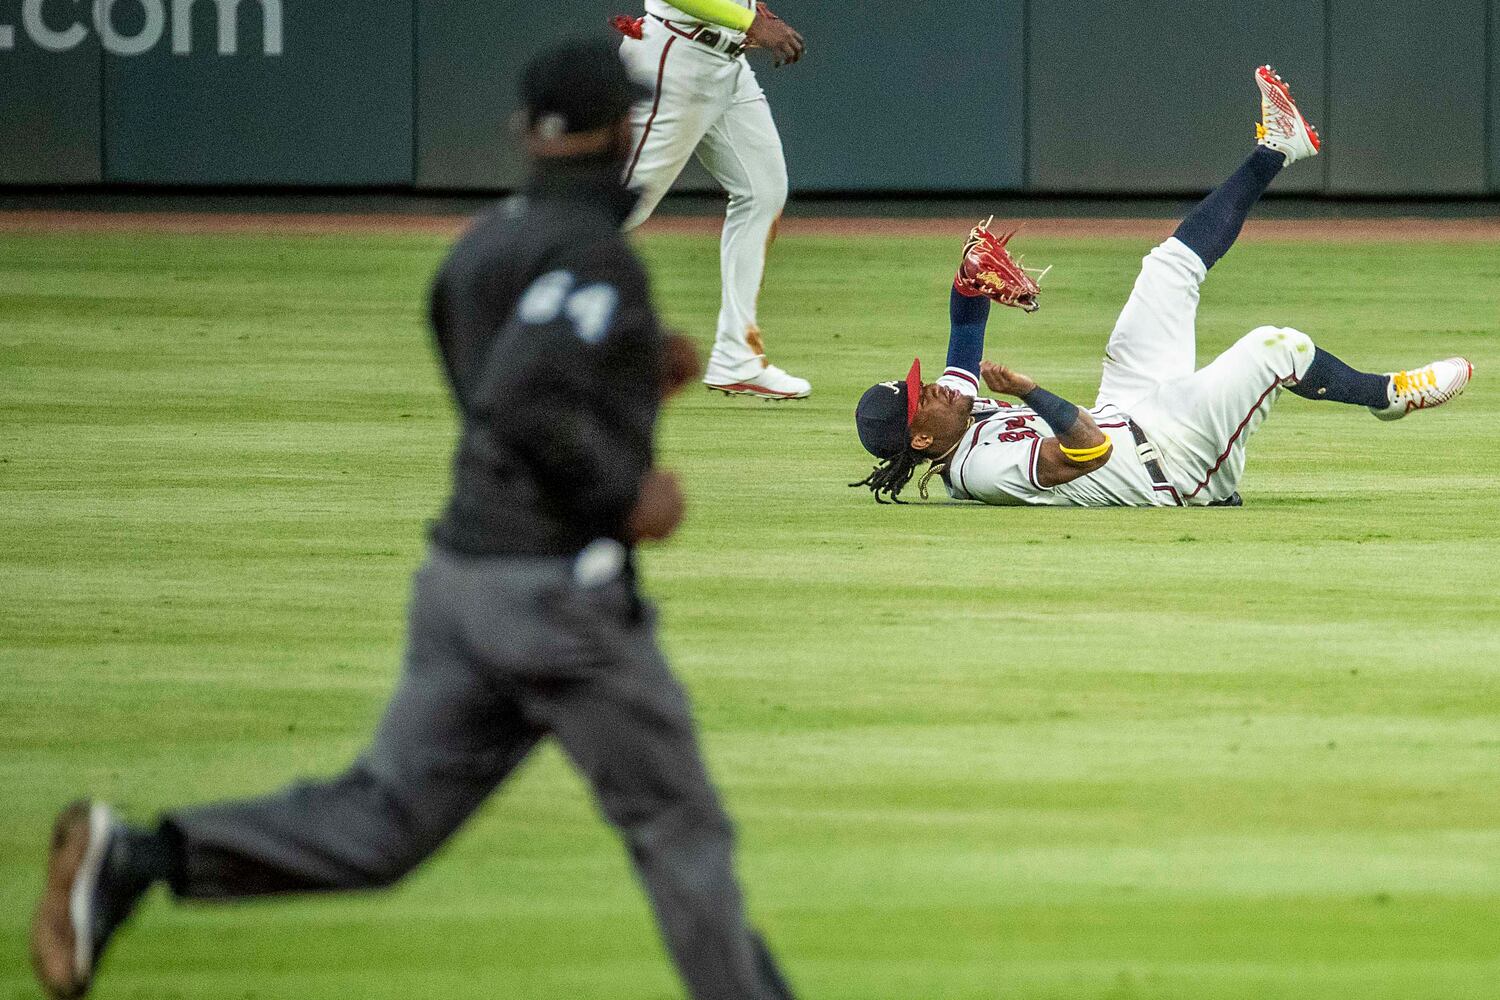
pixel 1426 387
pixel 1281 125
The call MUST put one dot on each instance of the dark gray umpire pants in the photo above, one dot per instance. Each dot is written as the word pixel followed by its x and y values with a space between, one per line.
pixel 501 653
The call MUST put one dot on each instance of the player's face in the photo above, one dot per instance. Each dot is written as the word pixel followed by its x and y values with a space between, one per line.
pixel 942 415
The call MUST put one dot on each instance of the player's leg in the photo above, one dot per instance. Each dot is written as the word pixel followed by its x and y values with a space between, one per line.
pixel 742 150
pixel 447 738
pixel 690 89
pixel 1203 421
pixel 627 726
pixel 1154 339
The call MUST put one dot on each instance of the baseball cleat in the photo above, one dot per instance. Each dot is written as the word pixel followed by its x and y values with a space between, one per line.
pixel 1282 126
pixel 1424 388
pixel 81 906
pixel 768 383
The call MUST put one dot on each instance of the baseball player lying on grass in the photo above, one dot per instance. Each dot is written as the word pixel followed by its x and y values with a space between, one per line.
pixel 1160 434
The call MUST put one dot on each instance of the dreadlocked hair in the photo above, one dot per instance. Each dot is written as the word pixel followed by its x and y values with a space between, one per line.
pixel 892 474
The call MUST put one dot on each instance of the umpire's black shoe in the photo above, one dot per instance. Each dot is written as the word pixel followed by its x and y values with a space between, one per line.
pixel 85 900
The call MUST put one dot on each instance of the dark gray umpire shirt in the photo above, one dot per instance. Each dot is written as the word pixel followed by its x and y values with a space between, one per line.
pixel 554 355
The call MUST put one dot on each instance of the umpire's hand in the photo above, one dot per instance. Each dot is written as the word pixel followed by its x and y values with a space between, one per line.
pixel 658 509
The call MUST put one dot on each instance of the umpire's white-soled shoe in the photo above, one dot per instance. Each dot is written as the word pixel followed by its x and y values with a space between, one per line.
pixel 1426 387
pixel 1282 126
pixel 768 383
pixel 82 905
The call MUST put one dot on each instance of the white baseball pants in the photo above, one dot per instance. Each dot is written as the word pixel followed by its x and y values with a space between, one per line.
pixel 707 103
pixel 1199 420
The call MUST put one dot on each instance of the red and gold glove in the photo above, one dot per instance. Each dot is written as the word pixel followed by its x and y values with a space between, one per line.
pixel 988 269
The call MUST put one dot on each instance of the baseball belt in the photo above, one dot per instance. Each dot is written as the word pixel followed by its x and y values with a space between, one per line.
pixel 719 41
pixel 1151 459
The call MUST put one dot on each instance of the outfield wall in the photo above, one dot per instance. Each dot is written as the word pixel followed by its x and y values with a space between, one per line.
pixel 1063 96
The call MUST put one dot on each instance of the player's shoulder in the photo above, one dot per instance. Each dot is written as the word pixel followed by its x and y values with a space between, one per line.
pixel 961 379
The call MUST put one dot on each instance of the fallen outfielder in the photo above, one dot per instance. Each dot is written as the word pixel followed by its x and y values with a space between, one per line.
pixel 1160 434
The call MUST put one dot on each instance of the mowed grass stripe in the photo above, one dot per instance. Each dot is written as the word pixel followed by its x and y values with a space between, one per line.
pixel 973 752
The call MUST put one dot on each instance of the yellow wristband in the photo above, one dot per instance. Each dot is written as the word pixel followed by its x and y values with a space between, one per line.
pixel 725 13
pixel 1084 455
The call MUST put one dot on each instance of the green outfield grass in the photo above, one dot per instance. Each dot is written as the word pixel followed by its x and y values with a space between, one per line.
pixel 974 753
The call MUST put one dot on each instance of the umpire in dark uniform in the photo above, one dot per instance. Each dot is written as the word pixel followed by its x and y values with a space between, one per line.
pixel 525 620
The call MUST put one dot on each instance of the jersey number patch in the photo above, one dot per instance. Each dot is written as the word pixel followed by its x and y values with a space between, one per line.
pixel 589 309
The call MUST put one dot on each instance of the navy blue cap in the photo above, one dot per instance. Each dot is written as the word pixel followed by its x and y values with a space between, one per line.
pixel 884 414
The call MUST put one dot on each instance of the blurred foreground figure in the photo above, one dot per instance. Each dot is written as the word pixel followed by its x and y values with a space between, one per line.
pixel 525 621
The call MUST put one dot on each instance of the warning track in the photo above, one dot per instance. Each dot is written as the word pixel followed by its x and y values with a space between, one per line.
pixel 1408 230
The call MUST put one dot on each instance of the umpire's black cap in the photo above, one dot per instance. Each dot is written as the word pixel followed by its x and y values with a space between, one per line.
pixel 884 414
pixel 578 86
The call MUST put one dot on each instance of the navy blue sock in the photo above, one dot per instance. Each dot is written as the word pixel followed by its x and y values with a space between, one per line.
pixel 1329 378
pixel 966 318
pixel 1210 229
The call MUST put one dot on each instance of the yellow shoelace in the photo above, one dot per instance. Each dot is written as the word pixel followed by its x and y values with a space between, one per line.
pixel 1405 382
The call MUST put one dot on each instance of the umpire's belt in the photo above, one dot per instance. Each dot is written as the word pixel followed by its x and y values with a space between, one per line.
pixel 1151 459
pixel 714 38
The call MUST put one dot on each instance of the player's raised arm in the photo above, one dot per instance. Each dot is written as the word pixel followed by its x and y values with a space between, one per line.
pixel 1079 448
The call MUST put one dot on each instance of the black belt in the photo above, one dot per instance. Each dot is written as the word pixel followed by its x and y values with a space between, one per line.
pixel 715 39
pixel 1151 459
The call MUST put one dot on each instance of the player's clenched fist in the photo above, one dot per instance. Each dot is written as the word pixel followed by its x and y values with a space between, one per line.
pixel 771 33
pixel 1004 380
pixel 659 508
pixel 681 366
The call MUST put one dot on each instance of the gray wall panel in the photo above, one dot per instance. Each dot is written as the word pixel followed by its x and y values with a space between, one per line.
pixel 1407 92
pixel 1159 95
pixel 1045 95
pixel 1494 124
pixel 896 99
pixel 847 120
pixel 469 56
pixel 49 105
pixel 335 107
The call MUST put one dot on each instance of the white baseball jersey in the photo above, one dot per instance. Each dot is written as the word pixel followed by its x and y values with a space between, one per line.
pixel 1198 421
pixel 996 460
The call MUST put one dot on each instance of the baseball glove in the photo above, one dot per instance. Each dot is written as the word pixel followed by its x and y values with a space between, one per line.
pixel 988 269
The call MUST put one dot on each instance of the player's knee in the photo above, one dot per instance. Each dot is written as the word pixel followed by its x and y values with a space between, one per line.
pixel 396 832
pixel 661 823
pixel 1280 343
pixel 763 198
pixel 694 841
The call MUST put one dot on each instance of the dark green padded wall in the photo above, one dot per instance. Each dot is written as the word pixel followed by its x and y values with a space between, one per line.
pixel 49 103
pixel 896 97
pixel 1408 89
pixel 466 84
pixel 1158 95
pixel 1493 136
pixel 1045 95
pixel 335 108
pixel 848 118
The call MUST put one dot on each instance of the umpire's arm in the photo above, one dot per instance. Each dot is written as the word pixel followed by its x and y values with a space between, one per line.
pixel 574 385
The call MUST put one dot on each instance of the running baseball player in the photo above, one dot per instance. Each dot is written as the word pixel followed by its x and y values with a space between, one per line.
pixel 1160 433
pixel 705 100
